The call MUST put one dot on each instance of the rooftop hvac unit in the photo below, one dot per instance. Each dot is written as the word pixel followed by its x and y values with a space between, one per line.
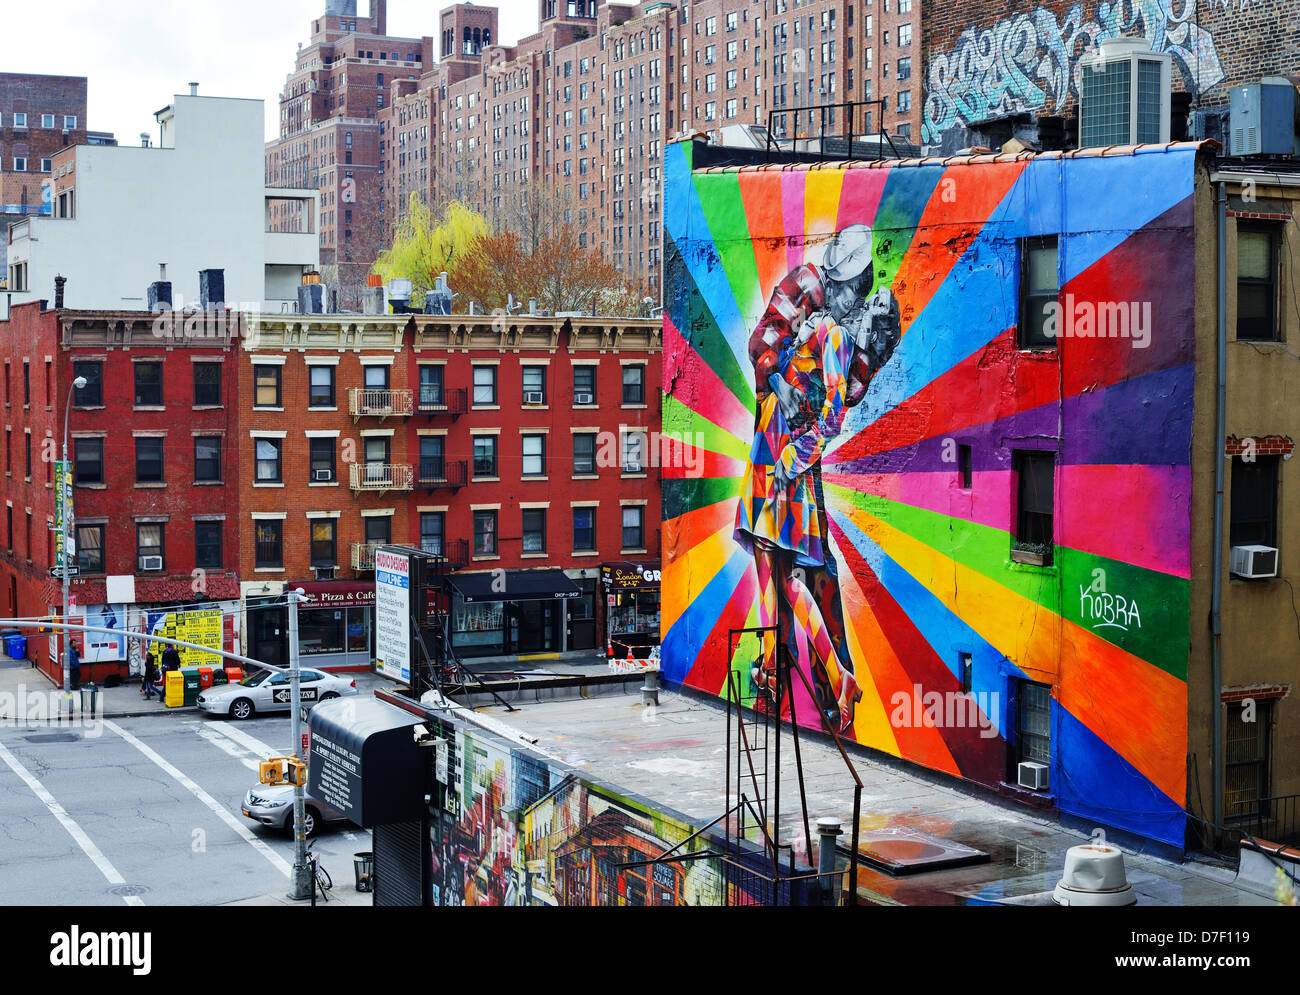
pixel 1253 562
pixel 1124 94
pixel 1032 775
pixel 1263 119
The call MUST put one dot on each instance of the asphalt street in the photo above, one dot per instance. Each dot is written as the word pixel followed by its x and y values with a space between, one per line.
pixel 146 810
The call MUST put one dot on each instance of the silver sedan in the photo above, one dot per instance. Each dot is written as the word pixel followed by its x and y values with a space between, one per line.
pixel 266 691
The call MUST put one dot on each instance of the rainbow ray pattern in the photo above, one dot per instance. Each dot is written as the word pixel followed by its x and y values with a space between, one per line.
pixel 927 583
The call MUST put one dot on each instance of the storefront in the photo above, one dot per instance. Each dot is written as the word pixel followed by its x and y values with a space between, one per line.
pixel 510 613
pixel 631 607
pixel 335 626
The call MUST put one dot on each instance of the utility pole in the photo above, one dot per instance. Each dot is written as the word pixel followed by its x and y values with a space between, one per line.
pixel 303 872
pixel 65 493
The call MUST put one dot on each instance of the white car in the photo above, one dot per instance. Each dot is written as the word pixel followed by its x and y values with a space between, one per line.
pixel 267 691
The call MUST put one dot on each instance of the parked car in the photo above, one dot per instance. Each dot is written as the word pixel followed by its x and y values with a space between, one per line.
pixel 272 805
pixel 266 691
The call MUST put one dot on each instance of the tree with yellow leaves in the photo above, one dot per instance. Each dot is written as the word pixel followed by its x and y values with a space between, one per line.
pixel 426 244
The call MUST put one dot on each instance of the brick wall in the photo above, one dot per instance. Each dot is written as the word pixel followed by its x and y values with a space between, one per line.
pixel 986 59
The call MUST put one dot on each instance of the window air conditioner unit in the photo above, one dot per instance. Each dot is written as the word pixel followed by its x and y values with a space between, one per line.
pixel 534 397
pixel 631 467
pixel 1253 562
pixel 151 563
pixel 1032 775
pixel 325 573
pixel 584 399
pixel 322 475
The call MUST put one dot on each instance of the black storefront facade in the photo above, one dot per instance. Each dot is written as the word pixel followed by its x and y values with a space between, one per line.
pixel 510 612
pixel 630 592
pixel 335 626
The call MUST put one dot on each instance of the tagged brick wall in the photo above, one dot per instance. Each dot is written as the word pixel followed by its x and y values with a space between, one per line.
pixel 986 59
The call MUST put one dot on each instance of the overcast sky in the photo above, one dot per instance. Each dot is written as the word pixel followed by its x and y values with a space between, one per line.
pixel 137 55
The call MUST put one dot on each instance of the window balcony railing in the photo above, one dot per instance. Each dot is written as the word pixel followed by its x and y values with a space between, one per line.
pixel 363 555
pixel 455 552
pixel 436 400
pixel 436 473
pixel 365 403
pixel 382 477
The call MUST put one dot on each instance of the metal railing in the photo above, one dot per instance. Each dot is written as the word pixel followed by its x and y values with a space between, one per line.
pixel 435 472
pixel 363 555
pixel 380 403
pixel 435 400
pixel 382 477
pixel 1276 819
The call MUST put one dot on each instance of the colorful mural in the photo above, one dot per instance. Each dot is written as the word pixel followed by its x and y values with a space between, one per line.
pixel 874 441
pixel 515 829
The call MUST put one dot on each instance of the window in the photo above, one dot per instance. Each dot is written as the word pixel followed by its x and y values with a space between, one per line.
pixel 47 120
pixel 964 466
pixel 88 461
pixel 485 385
pixel 20 120
pixel 485 455
pixel 433 466
pixel 966 671
pixel 70 121
pixel 1039 291
pixel 377 451
pixel 321 460
pixel 90 549
pixel 534 384
pixel 905 68
pixel 207 385
pixel 148 461
pixel 320 391
pixel 47 165
pixel 91 395
pixel 634 528
pixel 269 543
pixel 904 100
pixel 534 456
pixel 433 525
pixel 266 386
pixel 1254 501
pixel 634 385
pixel 1034 722
pixel 1034 472
pixel 634 446
pixel 584 530
pixel 379 530
pixel 148 385
pixel 431 386
pixel 20 164
pixel 207 458
pixel 1246 762
pixel 207 545
pixel 375 377
pixel 534 530
pixel 1257 265
pixel 584 385
pixel 268 460
pixel 485 533
pixel 324 547
pixel 28 437
pixel 904 35
pixel 149 546
pixel 584 453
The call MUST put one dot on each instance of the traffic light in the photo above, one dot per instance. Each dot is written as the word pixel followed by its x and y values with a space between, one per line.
pixel 282 770
pixel 43 627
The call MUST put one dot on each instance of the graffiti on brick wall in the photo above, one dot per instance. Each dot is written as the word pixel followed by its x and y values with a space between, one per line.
pixel 1031 61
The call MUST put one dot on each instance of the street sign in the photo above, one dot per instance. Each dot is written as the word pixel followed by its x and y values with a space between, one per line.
pixel 72 571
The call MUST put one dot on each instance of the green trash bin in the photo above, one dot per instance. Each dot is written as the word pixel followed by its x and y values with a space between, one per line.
pixel 364 865
pixel 89 698
pixel 193 685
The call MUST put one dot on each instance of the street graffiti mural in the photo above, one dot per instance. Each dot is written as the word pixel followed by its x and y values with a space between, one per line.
pixel 922 508
pixel 1031 61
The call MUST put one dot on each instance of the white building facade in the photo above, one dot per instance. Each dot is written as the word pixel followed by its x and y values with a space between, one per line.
pixel 196 200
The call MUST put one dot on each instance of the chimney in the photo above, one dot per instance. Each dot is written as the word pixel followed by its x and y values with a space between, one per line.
pixel 311 295
pixel 532 305
pixel 212 288
pixel 379 17
pixel 194 89
pixel 144 139
pixel 159 295
pixel 59 283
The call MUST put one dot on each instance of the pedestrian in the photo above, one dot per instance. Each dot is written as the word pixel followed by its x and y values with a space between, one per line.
pixel 144 674
pixel 151 677
pixel 74 664
pixel 171 661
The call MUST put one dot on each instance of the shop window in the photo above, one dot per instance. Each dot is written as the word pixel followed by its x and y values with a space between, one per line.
pixel 485 533
pixel 321 631
pixel 207 385
pixel 269 543
pixel 207 545
pixel 584 530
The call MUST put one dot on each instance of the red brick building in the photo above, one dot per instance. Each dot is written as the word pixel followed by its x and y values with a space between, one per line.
pixel 537 451
pixel 152 441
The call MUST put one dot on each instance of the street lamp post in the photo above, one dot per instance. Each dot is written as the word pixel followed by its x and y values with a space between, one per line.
pixel 64 482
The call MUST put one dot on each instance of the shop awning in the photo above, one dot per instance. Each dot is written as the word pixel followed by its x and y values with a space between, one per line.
pixel 519 585
pixel 337 593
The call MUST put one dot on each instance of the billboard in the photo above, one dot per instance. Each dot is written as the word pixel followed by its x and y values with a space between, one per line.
pixel 393 614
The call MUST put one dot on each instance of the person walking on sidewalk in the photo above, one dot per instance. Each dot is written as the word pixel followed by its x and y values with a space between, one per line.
pixel 171 660
pixel 74 665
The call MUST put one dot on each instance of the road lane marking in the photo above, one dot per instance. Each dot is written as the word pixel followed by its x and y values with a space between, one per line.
pixel 278 862
pixel 75 831
pixel 245 739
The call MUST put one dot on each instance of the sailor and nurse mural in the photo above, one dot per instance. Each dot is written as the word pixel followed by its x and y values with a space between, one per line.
pixel 840 345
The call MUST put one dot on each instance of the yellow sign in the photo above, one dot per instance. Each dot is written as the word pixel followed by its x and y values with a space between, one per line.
pixel 201 627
